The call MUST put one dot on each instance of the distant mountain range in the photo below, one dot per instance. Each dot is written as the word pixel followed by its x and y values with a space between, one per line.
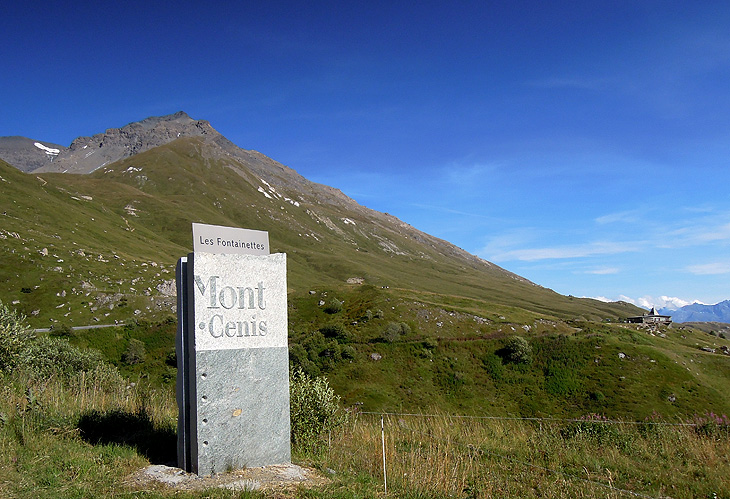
pixel 698 312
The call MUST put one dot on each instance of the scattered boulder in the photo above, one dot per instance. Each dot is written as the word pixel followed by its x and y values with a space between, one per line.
pixel 167 288
pixel 376 356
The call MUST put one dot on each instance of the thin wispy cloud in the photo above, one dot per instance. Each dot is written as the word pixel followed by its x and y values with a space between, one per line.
pixel 628 216
pixel 603 271
pixel 443 209
pixel 565 252
pixel 698 233
pixel 715 268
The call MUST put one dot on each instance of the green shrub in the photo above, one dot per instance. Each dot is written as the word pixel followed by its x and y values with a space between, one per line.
pixel 62 331
pixel 430 343
pixel 135 352
pixel 55 357
pixel 315 410
pixel 348 352
pixel 723 335
pixel 394 330
pixel 597 396
pixel 334 306
pixel 47 357
pixel 518 350
pixel 336 331
pixel 299 359
pixel 15 334
pixel 654 427
pixel 595 428
pixel 297 353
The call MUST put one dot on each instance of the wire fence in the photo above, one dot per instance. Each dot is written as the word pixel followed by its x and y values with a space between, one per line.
pixel 517 418
pixel 392 435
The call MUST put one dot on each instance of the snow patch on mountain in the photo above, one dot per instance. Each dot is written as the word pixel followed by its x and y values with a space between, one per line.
pixel 48 150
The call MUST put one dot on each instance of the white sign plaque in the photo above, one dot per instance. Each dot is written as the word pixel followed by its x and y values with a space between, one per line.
pixel 229 240
pixel 240 301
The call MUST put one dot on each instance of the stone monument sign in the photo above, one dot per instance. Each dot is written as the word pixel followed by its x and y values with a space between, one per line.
pixel 233 360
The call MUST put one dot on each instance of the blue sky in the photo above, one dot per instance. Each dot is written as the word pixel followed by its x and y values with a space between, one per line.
pixel 582 145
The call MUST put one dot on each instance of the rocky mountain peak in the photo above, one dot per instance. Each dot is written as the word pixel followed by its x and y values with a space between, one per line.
pixel 86 154
pixel 27 154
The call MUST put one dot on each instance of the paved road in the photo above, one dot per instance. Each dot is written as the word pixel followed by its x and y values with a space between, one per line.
pixel 78 328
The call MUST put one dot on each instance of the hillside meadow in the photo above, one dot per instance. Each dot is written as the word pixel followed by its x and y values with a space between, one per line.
pixel 491 424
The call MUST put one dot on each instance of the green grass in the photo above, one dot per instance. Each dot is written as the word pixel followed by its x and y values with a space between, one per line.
pixel 86 442
pixel 64 436
pixel 441 456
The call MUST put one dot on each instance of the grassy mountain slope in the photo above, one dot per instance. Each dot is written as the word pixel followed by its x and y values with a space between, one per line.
pixel 420 323
pixel 140 209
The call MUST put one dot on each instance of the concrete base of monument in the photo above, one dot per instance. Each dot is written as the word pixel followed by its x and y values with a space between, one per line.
pixel 277 477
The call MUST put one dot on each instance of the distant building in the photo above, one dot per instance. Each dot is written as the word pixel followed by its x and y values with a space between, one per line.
pixel 651 318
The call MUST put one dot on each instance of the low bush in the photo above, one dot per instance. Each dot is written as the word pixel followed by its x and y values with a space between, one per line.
pixel 336 331
pixel 14 335
pixel 334 306
pixel 394 330
pixel 135 352
pixel 518 350
pixel 40 358
pixel 563 381
pixel 597 429
pixel 315 410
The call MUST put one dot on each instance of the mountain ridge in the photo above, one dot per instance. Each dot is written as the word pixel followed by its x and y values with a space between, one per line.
pixel 699 312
